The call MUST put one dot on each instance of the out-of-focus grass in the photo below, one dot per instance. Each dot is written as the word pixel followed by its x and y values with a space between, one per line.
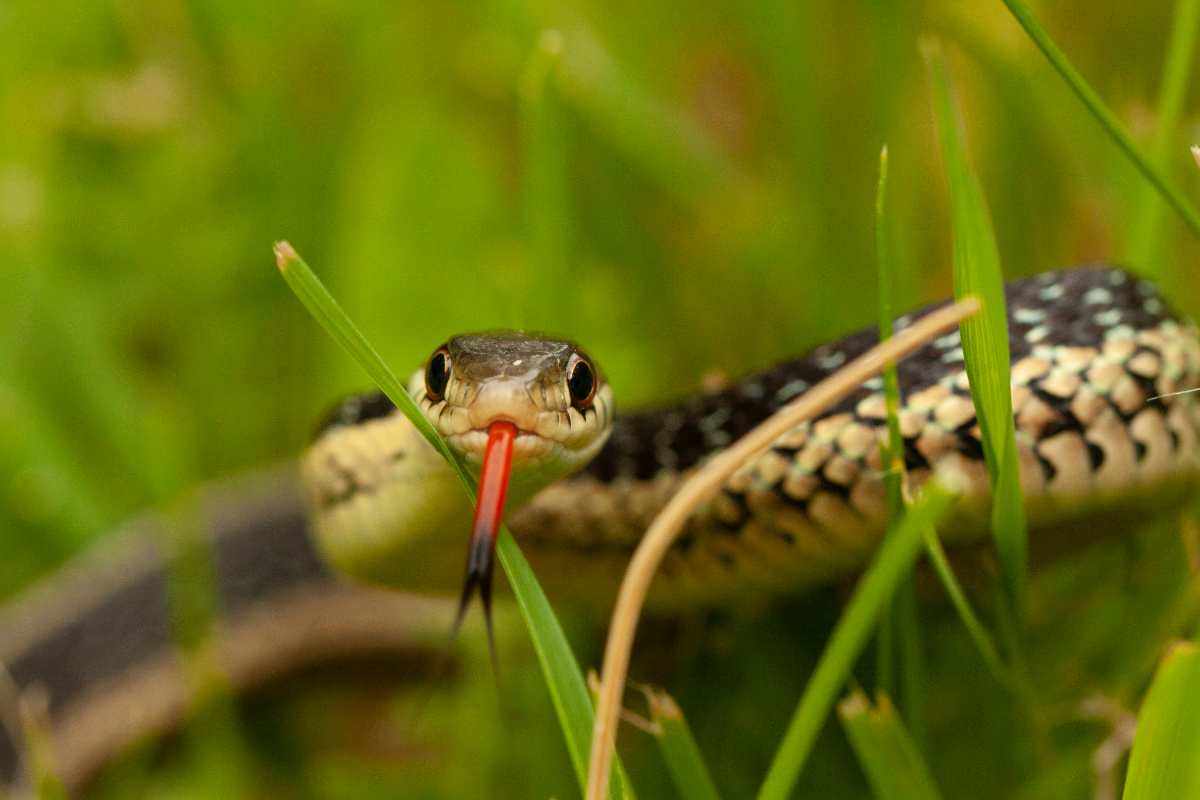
pixel 1152 172
pixel 1164 759
pixel 1144 230
pixel 148 150
pixel 678 746
pixel 893 762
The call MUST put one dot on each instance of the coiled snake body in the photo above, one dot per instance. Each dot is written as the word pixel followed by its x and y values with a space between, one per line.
pixel 1096 358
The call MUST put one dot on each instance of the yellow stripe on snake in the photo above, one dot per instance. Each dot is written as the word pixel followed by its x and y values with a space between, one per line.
pixel 1097 360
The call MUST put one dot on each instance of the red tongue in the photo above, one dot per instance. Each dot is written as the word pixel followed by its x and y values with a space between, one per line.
pixel 489 511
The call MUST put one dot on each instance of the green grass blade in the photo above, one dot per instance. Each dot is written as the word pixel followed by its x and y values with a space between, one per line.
pixel 568 691
pixel 564 679
pixel 1146 228
pixel 320 303
pixel 985 336
pixel 892 477
pixel 903 617
pixel 899 632
pixel 893 562
pixel 970 620
pixel 893 763
pixel 1165 762
pixel 1103 115
pixel 679 750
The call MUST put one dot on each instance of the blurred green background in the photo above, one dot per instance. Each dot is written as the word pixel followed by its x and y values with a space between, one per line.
pixel 682 187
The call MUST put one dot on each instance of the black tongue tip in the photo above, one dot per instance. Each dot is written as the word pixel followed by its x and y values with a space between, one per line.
pixel 480 563
pixel 479 577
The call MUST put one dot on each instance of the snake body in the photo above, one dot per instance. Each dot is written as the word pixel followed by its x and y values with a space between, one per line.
pixel 1096 355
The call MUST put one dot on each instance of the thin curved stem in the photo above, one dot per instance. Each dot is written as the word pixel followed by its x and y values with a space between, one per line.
pixel 704 485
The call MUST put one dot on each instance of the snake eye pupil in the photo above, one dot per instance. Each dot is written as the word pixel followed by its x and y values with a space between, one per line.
pixel 582 384
pixel 437 375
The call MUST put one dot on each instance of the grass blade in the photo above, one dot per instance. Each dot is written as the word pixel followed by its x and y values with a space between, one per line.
pixel 1103 115
pixel 893 763
pixel 958 598
pixel 316 298
pixel 568 691
pixel 904 605
pixel 893 456
pixel 679 750
pixel 899 632
pixel 984 337
pixel 1146 229
pixel 894 561
pixel 1165 762
pixel 891 387
pixel 564 679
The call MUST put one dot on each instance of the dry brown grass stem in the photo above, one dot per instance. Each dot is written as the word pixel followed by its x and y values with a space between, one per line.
pixel 700 488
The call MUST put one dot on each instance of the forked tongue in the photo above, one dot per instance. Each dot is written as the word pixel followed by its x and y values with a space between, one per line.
pixel 489 512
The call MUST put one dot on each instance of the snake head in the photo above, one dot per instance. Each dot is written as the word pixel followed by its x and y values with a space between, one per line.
pixel 517 409
pixel 549 389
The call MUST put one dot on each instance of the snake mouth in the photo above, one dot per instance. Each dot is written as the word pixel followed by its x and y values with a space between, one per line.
pixel 528 447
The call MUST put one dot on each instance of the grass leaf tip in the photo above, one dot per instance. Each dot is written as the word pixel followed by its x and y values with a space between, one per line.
pixel 284 254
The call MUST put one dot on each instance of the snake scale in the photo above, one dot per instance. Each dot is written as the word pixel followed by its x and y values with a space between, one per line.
pixel 1097 360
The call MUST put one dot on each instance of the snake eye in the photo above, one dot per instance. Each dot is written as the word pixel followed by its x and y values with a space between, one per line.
pixel 437 374
pixel 581 382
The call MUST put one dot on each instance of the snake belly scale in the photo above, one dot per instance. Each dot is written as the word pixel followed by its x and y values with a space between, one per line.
pixel 1096 357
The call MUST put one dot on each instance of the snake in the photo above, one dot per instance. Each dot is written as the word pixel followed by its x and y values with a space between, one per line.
pixel 352 552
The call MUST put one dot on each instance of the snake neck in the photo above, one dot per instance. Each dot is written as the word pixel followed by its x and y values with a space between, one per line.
pixel 385 503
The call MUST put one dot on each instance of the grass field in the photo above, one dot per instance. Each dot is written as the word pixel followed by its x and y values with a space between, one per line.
pixel 683 188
